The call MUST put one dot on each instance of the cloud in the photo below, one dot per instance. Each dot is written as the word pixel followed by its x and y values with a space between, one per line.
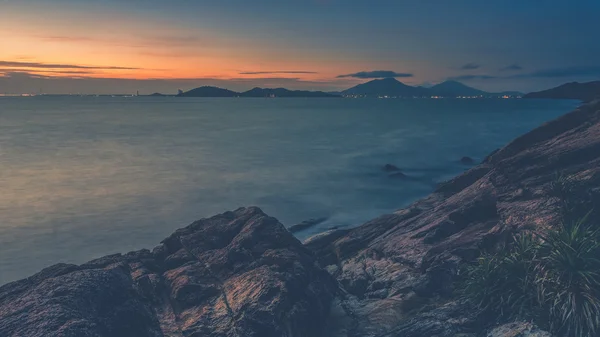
pixel 37 73
pixel 512 67
pixel 276 72
pixel 36 65
pixel 18 82
pixel 470 66
pixel 471 77
pixel 376 74
pixel 556 73
pixel 61 38
pixel 566 72
pixel 136 41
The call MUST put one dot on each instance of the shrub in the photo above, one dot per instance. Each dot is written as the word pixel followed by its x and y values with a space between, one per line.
pixel 569 279
pixel 575 198
pixel 501 284
pixel 553 278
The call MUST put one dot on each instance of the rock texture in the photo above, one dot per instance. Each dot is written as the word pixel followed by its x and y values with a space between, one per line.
pixel 518 329
pixel 240 273
pixel 398 270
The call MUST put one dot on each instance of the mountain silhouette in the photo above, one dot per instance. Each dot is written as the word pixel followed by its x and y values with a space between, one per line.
pixel 390 87
pixel 208 91
pixel 393 88
pixel 582 91
pixel 455 89
pixel 386 87
pixel 282 92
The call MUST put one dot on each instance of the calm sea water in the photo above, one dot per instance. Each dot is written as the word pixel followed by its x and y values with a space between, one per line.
pixel 84 177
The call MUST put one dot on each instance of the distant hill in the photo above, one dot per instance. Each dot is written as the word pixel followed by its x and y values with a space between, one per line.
pixel 208 91
pixel 386 87
pixel 391 87
pixel 281 92
pixel 158 94
pixel 575 90
pixel 510 93
pixel 455 89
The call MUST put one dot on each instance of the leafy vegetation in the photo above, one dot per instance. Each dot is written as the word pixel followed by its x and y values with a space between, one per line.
pixel 552 277
pixel 501 284
pixel 569 279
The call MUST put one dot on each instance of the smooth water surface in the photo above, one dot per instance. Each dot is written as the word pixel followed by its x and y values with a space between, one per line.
pixel 83 177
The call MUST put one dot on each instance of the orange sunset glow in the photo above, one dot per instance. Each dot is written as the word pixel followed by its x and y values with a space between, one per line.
pixel 69 44
pixel 304 44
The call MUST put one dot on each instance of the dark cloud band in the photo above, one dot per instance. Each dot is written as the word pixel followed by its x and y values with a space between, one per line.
pixel 470 66
pixel 376 74
pixel 277 72
pixel 36 65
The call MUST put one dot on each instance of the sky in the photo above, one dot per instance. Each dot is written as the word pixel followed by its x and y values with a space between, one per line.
pixel 110 46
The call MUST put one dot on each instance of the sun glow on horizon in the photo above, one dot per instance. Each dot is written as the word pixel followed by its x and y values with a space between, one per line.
pixel 112 45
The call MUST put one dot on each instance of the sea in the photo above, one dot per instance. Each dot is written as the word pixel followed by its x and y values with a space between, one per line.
pixel 83 177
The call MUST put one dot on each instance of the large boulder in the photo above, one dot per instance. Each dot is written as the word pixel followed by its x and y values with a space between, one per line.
pixel 240 273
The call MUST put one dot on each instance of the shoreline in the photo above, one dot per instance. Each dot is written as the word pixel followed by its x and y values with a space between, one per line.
pixel 243 270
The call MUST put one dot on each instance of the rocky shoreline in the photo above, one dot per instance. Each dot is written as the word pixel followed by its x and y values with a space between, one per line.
pixel 242 273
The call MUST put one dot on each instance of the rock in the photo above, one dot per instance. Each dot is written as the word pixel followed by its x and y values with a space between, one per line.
pixel 240 273
pixel 419 250
pixel 398 175
pixel 319 244
pixel 306 224
pixel 390 168
pixel 467 161
pixel 518 329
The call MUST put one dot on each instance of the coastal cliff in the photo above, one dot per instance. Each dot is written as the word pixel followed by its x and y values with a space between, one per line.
pixel 242 273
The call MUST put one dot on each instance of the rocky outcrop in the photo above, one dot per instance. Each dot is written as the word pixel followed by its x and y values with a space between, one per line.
pixel 398 270
pixel 240 273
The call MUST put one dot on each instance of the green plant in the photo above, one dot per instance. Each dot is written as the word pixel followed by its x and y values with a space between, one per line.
pixel 502 284
pixel 553 278
pixel 575 198
pixel 568 278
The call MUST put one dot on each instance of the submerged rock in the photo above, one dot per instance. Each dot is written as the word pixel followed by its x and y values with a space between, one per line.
pixel 398 175
pixel 390 168
pixel 240 273
pixel 306 224
pixel 467 161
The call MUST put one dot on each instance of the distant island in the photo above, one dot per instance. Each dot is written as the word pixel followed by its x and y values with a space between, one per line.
pixel 581 91
pixel 392 88
pixel 378 88
pixel 208 91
